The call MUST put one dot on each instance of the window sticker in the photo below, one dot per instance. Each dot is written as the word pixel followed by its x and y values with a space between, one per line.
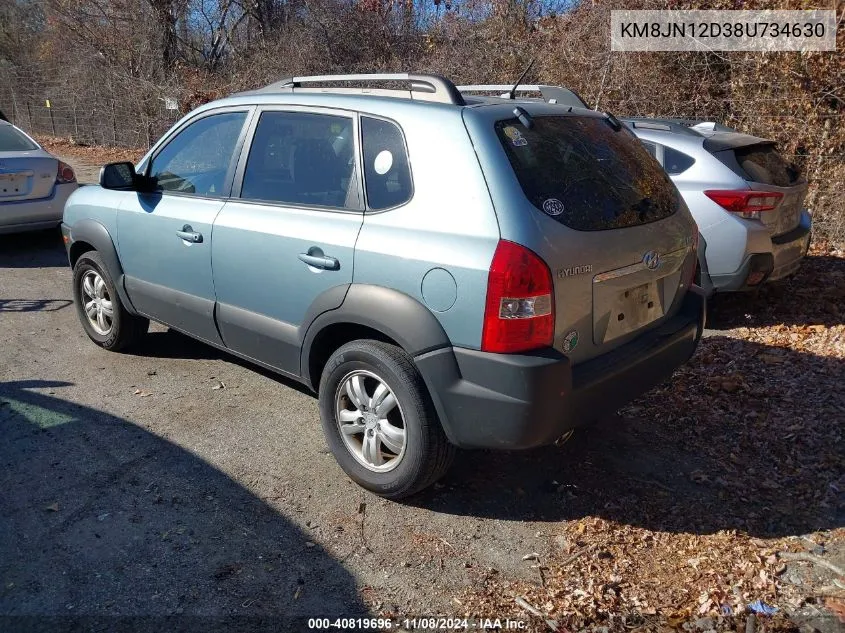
pixel 515 136
pixel 383 162
pixel 553 206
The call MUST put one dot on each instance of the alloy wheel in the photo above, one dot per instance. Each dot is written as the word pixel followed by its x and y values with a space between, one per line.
pixel 370 421
pixel 97 303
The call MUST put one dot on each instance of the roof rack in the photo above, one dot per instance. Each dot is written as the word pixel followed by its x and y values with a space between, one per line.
pixel 693 127
pixel 417 86
pixel 552 94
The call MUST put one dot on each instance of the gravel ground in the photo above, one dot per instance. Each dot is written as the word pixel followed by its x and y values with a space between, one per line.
pixel 179 482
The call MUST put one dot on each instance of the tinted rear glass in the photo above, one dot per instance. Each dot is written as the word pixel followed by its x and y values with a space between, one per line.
pixel 762 163
pixel 586 175
pixel 13 141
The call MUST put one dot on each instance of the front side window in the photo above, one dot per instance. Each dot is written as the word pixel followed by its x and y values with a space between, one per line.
pixel 300 158
pixel 198 158
pixel 585 174
pixel 386 169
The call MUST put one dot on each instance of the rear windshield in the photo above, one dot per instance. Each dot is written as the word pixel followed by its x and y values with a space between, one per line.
pixel 11 140
pixel 762 163
pixel 586 175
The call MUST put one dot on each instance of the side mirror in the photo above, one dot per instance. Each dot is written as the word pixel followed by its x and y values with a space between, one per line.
pixel 118 176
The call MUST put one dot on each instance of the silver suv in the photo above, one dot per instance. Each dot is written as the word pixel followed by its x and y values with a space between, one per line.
pixel 747 199
pixel 443 271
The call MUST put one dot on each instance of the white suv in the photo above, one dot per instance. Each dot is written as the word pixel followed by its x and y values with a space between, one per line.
pixel 747 199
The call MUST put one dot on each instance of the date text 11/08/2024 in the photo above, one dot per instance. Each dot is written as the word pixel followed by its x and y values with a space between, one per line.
pixel 417 624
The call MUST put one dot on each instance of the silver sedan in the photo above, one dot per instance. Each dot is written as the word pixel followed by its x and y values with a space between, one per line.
pixel 34 184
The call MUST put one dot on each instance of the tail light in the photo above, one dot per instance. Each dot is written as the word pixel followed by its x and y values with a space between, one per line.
pixel 519 315
pixel 745 202
pixel 64 174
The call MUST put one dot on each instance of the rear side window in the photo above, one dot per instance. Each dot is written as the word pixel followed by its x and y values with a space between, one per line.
pixel 11 140
pixel 762 163
pixel 386 169
pixel 675 162
pixel 301 158
pixel 585 174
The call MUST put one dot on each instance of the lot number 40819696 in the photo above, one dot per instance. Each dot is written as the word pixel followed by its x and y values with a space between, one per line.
pixel 417 624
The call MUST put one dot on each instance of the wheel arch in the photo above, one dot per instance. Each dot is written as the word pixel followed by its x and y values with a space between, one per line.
pixel 90 235
pixel 77 250
pixel 375 312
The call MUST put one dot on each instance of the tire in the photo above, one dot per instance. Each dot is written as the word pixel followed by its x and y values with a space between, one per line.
pixel 117 331
pixel 425 454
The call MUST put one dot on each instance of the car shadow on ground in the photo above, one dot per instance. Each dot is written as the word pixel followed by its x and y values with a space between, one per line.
pixel 731 443
pixel 173 344
pixel 33 305
pixel 38 249
pixel 102 519
pixel 814 296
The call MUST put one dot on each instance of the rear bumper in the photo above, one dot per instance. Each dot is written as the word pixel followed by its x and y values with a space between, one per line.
pixel 509 401
pixel 784 259
pixel 762 263
pixel 33 215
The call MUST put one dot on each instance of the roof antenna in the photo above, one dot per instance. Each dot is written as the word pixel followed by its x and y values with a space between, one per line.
pixel 512 93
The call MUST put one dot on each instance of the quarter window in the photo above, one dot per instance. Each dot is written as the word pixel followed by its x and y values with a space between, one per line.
pixel 675 162
pixel 300 158
pixel 198 158
pixel 651 148
pixel 386 168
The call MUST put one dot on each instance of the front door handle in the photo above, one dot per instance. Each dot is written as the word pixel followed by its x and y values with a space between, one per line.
pixel 320 261
pixel 189 234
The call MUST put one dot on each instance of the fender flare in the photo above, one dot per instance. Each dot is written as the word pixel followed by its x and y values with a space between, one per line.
pixel 393 313
pixel 97 235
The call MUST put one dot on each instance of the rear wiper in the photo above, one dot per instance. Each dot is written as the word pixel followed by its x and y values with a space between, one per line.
pixel 524 117
pixel 613 121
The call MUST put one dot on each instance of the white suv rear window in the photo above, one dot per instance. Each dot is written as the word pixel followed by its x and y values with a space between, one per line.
pixel 763 163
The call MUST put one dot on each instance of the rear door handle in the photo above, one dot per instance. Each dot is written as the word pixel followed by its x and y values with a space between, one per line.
pixel 320 261
pixel 189 234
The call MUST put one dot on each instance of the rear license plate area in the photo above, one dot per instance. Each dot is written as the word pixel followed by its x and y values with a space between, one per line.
pixel 13 185
pixel 621 310
pixel 634 308
pixel 634 297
